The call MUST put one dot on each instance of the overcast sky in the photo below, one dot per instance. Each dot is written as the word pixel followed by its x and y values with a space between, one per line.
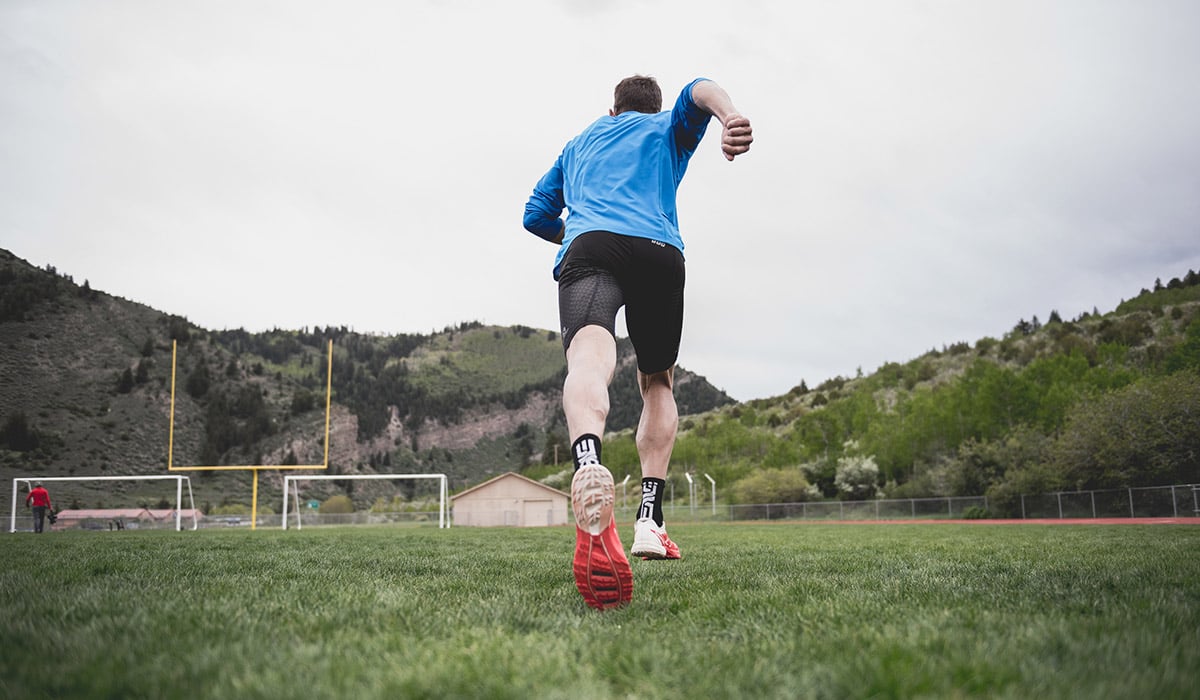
pixel 923 172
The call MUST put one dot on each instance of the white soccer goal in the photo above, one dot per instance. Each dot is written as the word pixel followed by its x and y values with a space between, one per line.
pixel 179 482
pixel 289 479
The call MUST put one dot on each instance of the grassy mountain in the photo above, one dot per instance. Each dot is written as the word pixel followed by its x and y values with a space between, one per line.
pixel 86 390
pixel 1101 401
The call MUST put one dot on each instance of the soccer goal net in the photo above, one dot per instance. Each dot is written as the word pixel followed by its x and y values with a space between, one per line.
pixel 291 484
pixel 140 502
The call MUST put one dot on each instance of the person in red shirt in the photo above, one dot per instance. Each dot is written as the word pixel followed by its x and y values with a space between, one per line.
pixel 39 498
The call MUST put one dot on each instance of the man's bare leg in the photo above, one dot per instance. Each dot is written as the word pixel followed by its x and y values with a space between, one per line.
pixel 659 422
pixel 591 360
pixel 655 441
pixel 601 570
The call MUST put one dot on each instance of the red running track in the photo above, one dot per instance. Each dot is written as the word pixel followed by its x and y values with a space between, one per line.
pixel 1028 521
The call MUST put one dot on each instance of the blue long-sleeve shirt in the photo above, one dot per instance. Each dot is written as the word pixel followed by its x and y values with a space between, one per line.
pixel 621 175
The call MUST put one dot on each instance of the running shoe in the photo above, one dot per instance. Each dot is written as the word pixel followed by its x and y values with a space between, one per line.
pixel 650 541
pixel 602 572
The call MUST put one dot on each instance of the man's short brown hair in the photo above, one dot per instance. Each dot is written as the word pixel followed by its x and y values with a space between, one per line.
pixel 638 93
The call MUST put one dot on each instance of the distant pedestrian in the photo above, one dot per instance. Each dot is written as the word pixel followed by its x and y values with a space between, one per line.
pixel 39 498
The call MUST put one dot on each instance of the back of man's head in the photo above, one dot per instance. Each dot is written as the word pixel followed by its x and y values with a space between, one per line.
pixel 638 93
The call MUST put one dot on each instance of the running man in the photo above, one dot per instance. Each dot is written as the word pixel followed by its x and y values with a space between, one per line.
pixel 621 247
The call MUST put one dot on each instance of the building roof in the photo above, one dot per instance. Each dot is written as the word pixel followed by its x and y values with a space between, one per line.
pixel 127 513
pixel 513 475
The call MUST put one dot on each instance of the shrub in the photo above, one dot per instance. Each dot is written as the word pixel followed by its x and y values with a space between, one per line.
pixel 785 485
pixel 340 503
pixel 976 513
pixel 303 401
pixel 1130 330
pixel 18 434
pixel 125 382
pixel 1141 434
pixel 857 477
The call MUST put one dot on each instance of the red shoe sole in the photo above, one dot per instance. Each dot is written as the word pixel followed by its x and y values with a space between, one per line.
pixel 602 572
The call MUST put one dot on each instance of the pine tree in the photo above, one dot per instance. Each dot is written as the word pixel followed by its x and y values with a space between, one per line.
pixel 143 370
pixel 125 382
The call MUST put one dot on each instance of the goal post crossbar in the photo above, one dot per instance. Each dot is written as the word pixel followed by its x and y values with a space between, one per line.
pixel 178 479
pixel 288 479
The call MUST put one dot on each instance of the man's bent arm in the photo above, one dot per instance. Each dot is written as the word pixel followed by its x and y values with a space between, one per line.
pixel 540 224
pixel 543 211
pixel 736 133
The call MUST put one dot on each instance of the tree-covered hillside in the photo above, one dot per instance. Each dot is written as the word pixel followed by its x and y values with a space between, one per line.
pixel 1103 400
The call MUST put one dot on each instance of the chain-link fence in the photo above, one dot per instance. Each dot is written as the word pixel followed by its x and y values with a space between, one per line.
pixel 24 521
pixel 878 509
pixel 1177 501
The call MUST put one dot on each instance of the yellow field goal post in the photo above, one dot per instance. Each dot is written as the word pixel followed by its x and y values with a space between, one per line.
pixel 255 468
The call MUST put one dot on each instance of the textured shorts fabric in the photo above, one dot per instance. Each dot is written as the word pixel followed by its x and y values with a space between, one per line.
pixel 604 271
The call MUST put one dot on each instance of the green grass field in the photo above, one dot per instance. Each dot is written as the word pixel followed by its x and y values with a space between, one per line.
pixel 753 611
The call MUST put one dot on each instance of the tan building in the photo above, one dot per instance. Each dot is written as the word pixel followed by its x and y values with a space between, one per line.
pixel 510 500
pixel 122 518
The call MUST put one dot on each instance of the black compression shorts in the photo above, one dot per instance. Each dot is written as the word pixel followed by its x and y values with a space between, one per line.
pixel 604 271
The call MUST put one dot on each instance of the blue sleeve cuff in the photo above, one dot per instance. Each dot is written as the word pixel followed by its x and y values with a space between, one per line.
pixel 542 226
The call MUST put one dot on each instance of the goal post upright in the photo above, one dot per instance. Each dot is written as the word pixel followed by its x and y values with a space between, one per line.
pixel 289 479
pixel 253 468
pixel 12 526
pixel 179 479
